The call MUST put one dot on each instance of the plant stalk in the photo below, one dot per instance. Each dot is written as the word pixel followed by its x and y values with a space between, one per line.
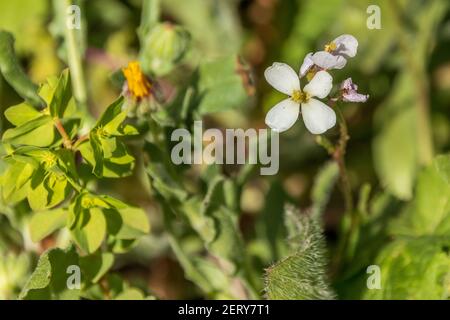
pixel 74 59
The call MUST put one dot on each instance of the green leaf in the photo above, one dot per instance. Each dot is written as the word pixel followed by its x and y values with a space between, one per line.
pixel 395 154
pixel 413 269
pixel 204 225
pixel 429 213
pixel 164 177
pixel 323 186
pixel 45 223
pixel 112 117
pixel 96 146
pixel 228 242
pixel 95 266
pixel 222 84
pixel 131 294
pixel 120 164
pixel 48 192
pixel 49 279
pixel 271 227
pixel 26 133
pixel 127 223
pixel 302 274
pixel 61 96
pixel 21 113
pixel 13 73
pixel 89 229
pixel 16 181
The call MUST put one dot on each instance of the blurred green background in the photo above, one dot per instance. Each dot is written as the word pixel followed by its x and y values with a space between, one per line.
pixel 404 66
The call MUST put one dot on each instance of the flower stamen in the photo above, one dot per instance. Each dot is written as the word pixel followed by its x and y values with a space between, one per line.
pixel 300 96
pixel 330 47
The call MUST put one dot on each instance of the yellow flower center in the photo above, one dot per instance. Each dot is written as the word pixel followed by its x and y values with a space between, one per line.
pixel 87 202
pixel 101 132
pixel 300 96
pixel 138 84
pixel 48 159
pixel 330 47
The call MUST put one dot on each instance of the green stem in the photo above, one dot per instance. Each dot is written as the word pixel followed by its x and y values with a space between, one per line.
pixel 74 59
pixel 80 140
pixel 419 75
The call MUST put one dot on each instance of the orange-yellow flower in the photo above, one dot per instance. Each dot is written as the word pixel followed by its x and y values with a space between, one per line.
pixel 138 84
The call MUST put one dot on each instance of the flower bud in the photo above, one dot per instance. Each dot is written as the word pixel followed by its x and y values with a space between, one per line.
pixel 164 47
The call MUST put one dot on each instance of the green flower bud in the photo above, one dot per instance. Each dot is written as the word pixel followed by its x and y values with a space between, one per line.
pixel 165 45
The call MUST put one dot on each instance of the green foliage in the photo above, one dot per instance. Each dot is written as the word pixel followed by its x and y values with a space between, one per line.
pixel 104 151
pixel 412 248
pixel 397 153
pixel 13 73
pixel 44 223
pixel 217 229
pixel 414 268
pixel 323 185
pixel 302 274
pixel 163 48
pixel 42 167
pixel 48 280
pixel 217 79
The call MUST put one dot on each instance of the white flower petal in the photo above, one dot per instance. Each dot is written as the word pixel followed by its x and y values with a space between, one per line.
pixel 306 65
pixel 283 78
pixel 318 117
pixel 346 45
pixel 319 86
pixel 354 96
pixel 283 115
pixel 348 84
pixel 326 60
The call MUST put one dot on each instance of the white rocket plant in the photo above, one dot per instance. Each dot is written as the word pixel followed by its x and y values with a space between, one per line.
pixel 317 115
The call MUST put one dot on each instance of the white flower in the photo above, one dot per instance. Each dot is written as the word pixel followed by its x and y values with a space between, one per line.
pixel 307 64
pixel 349 91
pixel 318 117
pixel 336 52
